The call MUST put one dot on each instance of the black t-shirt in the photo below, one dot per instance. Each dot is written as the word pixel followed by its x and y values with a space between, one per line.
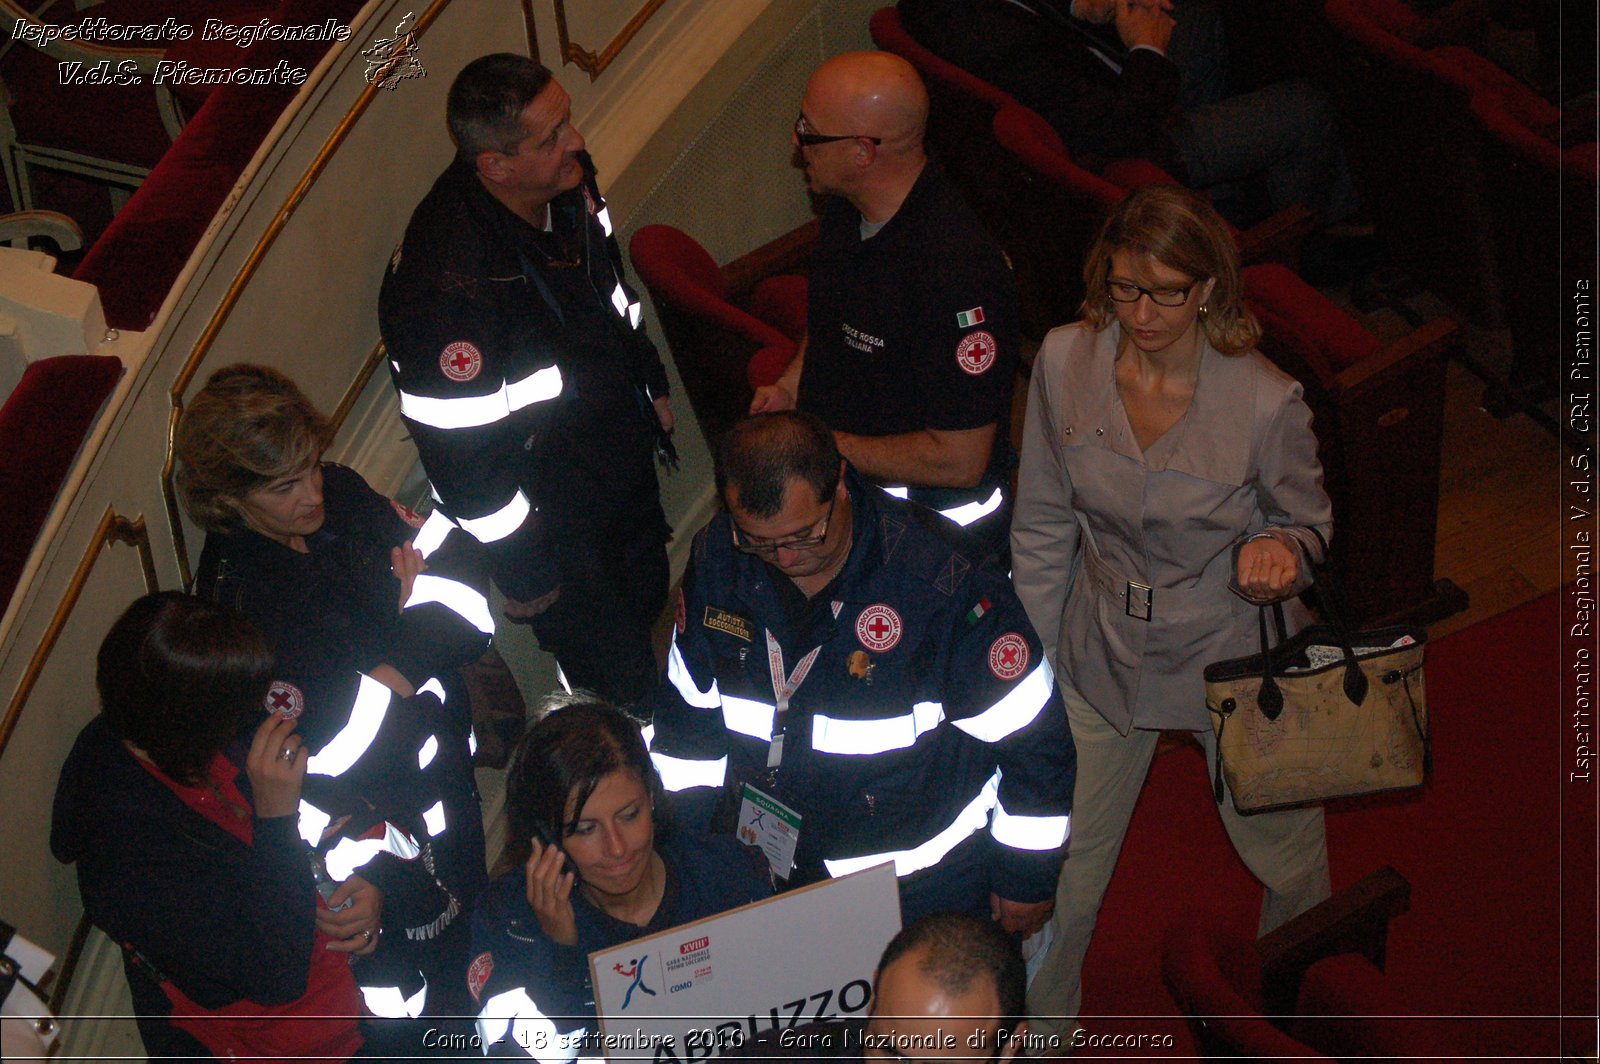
pixel 914 328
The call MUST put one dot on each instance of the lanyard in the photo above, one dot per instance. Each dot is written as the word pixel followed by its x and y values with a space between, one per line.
pixel 784 685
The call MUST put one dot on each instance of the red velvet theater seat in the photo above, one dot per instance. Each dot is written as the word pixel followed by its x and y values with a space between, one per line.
pixel 1378 412
pixel 1417 152
pixel 1544 233
pixel 722 350
pixel 42 425
pixel 1059 206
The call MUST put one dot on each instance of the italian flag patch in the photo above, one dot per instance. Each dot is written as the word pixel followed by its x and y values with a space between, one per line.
pixel 975 614
pixel 966 319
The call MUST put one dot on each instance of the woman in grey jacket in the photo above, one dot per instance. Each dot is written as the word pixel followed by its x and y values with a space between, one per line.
pixel 1169 484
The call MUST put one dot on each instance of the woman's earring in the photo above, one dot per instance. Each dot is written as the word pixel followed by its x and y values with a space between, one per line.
pixel 1202 310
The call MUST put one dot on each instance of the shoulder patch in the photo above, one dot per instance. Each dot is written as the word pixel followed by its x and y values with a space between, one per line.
pixel 285 699
pixel 731 623
pixel 407 514
pixel 976 353
pixel 478 974
pixel 461 361
pixel 966 319
pixel 1008 656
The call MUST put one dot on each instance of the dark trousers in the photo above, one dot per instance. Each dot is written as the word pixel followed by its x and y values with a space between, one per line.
pixel 611 545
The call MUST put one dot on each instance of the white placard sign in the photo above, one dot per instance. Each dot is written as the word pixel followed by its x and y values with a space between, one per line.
pixel 692 992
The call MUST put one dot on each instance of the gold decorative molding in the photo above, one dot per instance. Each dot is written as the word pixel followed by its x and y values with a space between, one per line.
pixel 230 299
pixel 533 32
pixel 113 528
pixel 589 62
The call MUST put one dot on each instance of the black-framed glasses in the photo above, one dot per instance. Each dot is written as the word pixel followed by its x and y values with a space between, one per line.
pixel 1128 292
pixel 746 544
pixel 806 138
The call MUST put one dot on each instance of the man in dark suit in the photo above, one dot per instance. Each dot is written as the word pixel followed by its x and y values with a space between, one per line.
pixel 1138 78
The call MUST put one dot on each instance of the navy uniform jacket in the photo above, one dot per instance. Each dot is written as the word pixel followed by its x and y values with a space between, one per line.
pixel 516 353
pixel 333 614
pixel 536 995
pixel 929 715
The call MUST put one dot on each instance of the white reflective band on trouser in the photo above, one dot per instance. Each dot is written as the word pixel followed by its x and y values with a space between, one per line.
pixel 830 735
pixel 748 717
pixel 433 532
pixel 346 748
pixel 681 773
pixel 1018 709
pixel 968 512
pixel 975 817
pixel 678 673
pixel 434 819
pixel 1029 832
pixel 387 1001
pixel 531 1031
pixel 350 854
pixel 491 528
pixel 474 411
pixel 460 599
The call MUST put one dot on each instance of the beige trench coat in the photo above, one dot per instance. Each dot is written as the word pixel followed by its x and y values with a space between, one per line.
pixel 1093 515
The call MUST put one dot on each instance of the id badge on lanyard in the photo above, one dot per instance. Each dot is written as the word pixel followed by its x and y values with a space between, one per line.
pixel 784 685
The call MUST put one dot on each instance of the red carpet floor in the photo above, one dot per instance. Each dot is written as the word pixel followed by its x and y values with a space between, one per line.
pixel 1481 844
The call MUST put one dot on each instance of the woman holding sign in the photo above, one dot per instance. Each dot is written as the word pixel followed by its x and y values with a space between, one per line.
pixel 602 868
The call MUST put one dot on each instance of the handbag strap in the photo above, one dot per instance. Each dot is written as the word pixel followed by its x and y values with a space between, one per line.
pixel 1270 696
pixel 1332 600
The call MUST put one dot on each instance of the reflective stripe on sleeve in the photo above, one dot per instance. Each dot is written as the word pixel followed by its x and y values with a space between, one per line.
pixel 350 854
pixel 634 314
pixel 531 1030
pixel 831 735
pixel 1018 709
pixel 603 216
pixel 968 512
pixel 433 532
pixel 619 300
pixel 678 673
pixel 475 411
pixel 389 1002
pixel 312 823
pixel 460 599
pixel 681 773
pixel 1029 832
pixel 432 687
pixel 428 751
pixel 491 528
pixel 346 748
pixel 433 818
pixel 748 717
pixel 972 818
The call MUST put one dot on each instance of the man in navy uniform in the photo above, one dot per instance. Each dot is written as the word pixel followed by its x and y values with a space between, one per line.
pixel 840 659
pixel 526 379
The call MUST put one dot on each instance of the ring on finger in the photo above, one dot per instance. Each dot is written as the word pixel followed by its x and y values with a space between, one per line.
pixel 366 935
pixel 286 754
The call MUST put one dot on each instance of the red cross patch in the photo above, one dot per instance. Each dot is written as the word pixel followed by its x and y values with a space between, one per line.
pixel 284 699
pixel 976 352
pixel 461 361
pixel 1008 656
pixel 478 974
pixel 407 514
pixel 879 628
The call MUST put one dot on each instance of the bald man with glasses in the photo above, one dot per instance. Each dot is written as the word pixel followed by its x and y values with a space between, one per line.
pixel 840 667
pixel 911 349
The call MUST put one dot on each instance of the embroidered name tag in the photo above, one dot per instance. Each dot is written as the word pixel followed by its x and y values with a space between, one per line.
pixel 732 623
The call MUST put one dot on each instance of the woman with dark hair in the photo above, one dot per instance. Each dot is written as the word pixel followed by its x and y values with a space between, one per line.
pixel 370 618
pixel 583 805
pixel 186 845
pixel 1169 484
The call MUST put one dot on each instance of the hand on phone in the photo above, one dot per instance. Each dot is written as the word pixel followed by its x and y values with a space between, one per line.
pixel 550 882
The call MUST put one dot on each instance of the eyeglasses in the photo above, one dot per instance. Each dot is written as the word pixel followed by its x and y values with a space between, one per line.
pixel 743 542
pixel 1128 292
pixel 804 137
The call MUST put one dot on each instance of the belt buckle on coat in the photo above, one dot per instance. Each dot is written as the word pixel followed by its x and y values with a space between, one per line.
pixel 1137 600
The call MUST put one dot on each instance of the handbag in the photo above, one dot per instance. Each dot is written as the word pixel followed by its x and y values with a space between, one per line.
pixel 1328 714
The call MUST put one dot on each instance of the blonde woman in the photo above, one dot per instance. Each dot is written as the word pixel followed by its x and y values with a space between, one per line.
pixel 1169 484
